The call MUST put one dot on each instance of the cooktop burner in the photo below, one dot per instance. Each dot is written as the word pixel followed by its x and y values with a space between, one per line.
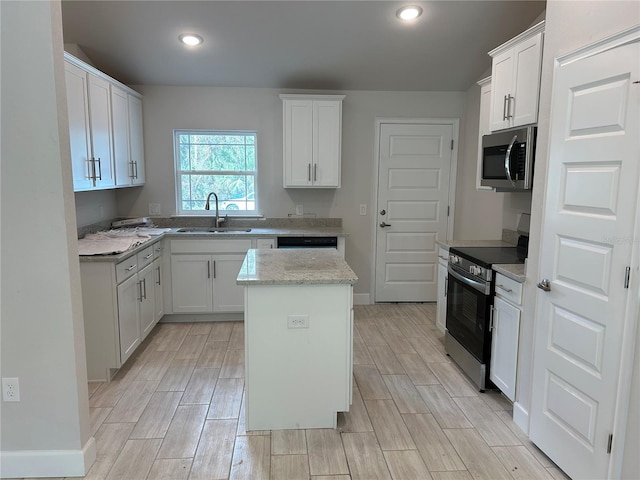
pixel 487 256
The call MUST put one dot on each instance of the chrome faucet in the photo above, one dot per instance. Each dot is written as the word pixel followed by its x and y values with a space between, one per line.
pixel 207 207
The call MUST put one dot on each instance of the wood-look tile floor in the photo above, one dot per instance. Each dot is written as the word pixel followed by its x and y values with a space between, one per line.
pixel 175 411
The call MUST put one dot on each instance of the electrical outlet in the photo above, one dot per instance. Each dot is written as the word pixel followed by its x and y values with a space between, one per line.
pixel 298 321
pixel 299 210
pixel 363 209
pixel 154 209
pixel 10 390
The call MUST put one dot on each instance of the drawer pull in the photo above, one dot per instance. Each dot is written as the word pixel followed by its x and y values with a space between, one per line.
pixel 508 290
pixel 131 267
pixel 147 257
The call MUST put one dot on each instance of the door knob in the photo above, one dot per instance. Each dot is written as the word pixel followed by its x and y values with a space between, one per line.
pixel 385 224
pixel 545 285
pixel 383 212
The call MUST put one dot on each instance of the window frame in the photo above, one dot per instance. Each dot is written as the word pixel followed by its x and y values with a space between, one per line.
pixel 178 173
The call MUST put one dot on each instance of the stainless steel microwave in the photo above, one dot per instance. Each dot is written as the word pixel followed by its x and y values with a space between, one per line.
pixel 507 159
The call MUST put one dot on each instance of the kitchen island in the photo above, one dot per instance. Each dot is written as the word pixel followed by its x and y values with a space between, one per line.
pixel 298 337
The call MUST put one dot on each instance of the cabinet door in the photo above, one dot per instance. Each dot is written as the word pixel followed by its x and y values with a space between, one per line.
pixel 501 89
pixel 441 306
pixel 227 295
pixel 192 283
pixel 147 301
pixel 327 143
pixel 78 112
pixel 298 142
pixel 128 300
pixel 483 129
pixel 265 243
pixel 136 140
pixel 120 127
pixel 527 59
pixel 100 122
pixel 504 347
pixel 157 290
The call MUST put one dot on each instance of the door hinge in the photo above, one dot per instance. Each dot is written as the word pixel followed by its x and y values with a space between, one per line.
pixel 609 442
pixel 627 276
pixel 451 144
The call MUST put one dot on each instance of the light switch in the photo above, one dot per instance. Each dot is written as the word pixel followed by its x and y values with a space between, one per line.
pixel 363 209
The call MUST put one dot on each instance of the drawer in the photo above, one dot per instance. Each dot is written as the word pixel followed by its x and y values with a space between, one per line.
pixel 508 289
pixel 126 268
pixel 211 246
pixel 157 249
pixel 145 257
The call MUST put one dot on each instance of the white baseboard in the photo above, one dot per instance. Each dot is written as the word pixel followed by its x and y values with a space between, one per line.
pixel 521 417
pixel 48 463
pixel 361 299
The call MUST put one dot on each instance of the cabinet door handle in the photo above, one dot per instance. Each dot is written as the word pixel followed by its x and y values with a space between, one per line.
pixel 91 169
pixel 446 285
pixel 99 169
pixel 131 267
pixel 491 319
pixel 159 279
pixel 504 108
pixel 214 269
pixel 309 172
pixel 315 172
pixel 144 280
pixel 509 98
pixel 508 290
pixel 208 268
pixel 140 290
pixel 135 164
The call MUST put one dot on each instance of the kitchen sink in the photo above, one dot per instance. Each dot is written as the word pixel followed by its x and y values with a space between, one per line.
pixel 212 230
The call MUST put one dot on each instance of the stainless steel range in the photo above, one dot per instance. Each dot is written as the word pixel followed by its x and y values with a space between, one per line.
pixel 469 307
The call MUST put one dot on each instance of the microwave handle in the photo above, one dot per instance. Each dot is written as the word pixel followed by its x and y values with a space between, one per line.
pixel 507 169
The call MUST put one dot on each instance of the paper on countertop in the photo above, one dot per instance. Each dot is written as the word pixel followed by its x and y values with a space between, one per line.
pixel 112 241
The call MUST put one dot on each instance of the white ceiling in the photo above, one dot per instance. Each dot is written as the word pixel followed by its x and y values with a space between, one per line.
pixel 327 45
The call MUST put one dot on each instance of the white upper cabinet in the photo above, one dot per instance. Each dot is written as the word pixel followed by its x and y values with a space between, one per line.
pixel 105 129
pixel 312 133
pixel 483 125
pixel 515 80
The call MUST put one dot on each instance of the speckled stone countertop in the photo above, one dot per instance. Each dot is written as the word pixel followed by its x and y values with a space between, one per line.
pixel 514 271
pixel 473 243
pixel 294 266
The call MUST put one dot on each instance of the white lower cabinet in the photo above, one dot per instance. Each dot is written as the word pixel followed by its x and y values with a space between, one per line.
pixel 441 305
pixel 505 335
pixel 119 305
pixel 204 273
pixel 265 243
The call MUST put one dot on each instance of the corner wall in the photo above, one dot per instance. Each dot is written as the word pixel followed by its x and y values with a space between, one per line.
pixel 42 341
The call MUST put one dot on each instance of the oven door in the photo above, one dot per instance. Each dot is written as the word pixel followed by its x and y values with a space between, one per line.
pixel 468 310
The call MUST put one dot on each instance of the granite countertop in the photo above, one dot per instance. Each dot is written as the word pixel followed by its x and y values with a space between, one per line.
pixel 473 243
pixel 514 271
pixel 295 267
pixel 253 233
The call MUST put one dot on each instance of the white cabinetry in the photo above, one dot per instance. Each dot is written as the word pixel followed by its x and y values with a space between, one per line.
pixel 105 129
pixel 204 273
pixel 483 125
pixel 158 270
pixel 441 306
pixel 505 334
pixel 312 134
pixel 515 79
pixel 119 304
pixel 265 243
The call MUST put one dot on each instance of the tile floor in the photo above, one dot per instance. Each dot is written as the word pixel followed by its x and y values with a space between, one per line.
pixel 175 412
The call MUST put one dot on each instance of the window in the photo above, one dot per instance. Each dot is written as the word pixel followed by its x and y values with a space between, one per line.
pixel 215 161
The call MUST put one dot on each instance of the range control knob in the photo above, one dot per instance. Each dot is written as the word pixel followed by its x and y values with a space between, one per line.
pixel 454 259
pixel 475 270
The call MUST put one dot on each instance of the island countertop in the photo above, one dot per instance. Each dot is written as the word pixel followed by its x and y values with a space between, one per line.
pixel 295 266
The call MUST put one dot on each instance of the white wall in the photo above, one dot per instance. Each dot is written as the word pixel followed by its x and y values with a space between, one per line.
pixel 167 108
pixel 94 207
pixel 42 327
pixel 569 26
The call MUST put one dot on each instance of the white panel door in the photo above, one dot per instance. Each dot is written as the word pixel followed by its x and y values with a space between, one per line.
pixel 526 81
pixel 502 87
pixel 147 301
pixel 298 142
pixel 120 128
pixel 158 298
pixel 504 347
pixel 327 121
pixel 588 228
pixel 413 198
pixel 128 315
pixel 136 140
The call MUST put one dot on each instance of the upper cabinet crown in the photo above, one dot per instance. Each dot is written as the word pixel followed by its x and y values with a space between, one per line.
pixel 105 129
pixel 312 127
pixel 515 80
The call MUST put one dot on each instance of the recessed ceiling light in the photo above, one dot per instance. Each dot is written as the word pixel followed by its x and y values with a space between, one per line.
pixel 410 12
pixel 190 39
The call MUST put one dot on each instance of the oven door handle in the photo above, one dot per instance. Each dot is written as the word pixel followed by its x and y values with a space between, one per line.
pixel 481 287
